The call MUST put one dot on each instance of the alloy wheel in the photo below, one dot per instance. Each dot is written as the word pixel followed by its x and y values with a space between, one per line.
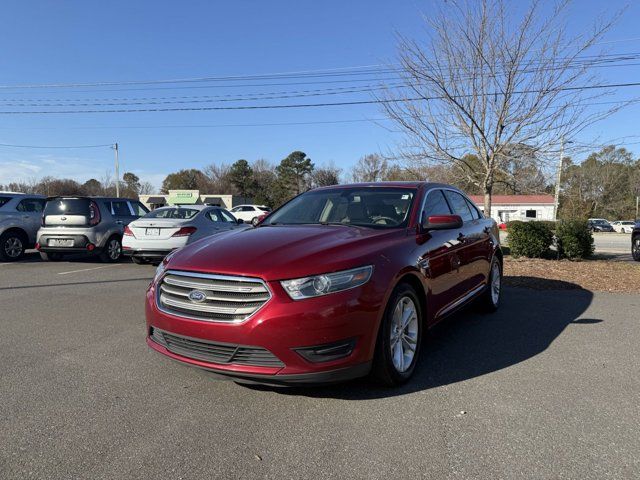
pixel 13 247
pixel 114 249
pixel 635 250
pixel 404 334
pixel 495 283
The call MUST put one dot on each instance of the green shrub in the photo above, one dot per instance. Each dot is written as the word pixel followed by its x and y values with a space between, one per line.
pixel 574 239
pixel 529 239
pixel 549 223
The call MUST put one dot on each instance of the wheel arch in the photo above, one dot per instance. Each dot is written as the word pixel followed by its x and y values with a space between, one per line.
pixel 19 231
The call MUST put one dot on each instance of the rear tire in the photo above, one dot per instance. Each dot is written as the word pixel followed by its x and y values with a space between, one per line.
pixel 254 221
pixel 399 338
pixel 12 246
pixel 139 260
pixel 489 301
pixel 635 248
pixel 112 250
pixel 50 257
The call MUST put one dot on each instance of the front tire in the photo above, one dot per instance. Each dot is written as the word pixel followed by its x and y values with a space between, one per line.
pixel 12 246
pixel 139 260
pixel 112 250
pixel 399 337
pixel 635 248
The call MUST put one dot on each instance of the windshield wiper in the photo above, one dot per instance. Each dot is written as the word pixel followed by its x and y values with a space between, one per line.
pixel 353 225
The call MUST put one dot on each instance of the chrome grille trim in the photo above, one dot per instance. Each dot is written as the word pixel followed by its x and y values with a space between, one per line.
pixel 227 299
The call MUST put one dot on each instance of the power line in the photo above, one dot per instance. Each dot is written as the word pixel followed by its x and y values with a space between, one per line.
pixel 358 70
pixel 303 105
pixel 56 146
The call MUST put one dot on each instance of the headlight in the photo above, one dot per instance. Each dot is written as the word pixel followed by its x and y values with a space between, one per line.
pixel 318 285
pixel 162 267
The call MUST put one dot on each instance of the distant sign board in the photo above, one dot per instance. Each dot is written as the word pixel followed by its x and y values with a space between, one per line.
pixel 183 197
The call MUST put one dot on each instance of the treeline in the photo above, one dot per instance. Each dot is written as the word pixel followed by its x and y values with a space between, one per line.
pixel 130 187
pixel 604 185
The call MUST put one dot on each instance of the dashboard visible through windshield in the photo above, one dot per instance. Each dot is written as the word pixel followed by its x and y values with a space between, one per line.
pixel 380 207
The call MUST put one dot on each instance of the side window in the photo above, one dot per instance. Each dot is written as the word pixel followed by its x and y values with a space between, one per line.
pixel 235 209
pixel 459 205
pixel 139 210
pixel 247 209
pixel 436 204
pixel 214 216
pixel 120 209
pixel 31 205
pixel 227 217
pixel 475 213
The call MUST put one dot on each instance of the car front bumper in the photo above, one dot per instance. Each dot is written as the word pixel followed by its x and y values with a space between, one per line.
pixel 287 329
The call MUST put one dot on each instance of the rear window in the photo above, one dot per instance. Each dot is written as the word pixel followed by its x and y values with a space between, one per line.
pixel 4 200
pixel 67 206
pixel 181 213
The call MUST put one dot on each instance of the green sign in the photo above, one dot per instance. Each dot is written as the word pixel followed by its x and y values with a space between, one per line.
pixel 183 197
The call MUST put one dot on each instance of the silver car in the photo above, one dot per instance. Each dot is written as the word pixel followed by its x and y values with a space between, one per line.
pixel 20 216
pixel 165 229
pixel 92 225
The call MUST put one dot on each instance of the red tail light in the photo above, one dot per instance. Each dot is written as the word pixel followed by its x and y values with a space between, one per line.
pixel 38 246
pixel 185 232
pixel 94 214
pixel 128 232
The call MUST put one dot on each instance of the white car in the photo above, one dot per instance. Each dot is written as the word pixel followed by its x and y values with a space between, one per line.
pixel 250 213
pixel 623 226
pixel 165 229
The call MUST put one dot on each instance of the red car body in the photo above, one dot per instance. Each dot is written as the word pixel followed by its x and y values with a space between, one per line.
pixel 325 338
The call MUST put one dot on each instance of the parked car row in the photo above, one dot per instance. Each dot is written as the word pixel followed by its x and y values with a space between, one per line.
pixel 103 226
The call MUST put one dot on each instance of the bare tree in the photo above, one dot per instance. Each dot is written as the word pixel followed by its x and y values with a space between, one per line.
pixel 326 176
pixel 370 168
pixel 484 81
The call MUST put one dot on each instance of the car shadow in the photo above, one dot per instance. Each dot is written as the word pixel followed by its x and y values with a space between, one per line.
pixel 469 344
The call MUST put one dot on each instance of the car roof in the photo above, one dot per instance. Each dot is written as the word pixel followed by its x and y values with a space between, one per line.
pixel 92 198
pixel 393 184
pixel 193 207
pixel 21 194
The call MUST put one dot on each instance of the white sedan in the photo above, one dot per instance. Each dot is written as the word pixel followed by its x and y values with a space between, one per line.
pixel 250 213
pixel 623 226
pixel 152 237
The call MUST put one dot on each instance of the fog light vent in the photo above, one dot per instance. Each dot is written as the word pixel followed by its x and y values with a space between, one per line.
pixel 327 351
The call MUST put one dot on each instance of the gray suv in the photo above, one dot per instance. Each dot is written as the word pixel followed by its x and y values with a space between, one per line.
pixel 86 225
pixel 19 221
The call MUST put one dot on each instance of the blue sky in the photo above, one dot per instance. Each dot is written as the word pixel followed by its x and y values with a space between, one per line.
pixel 91 41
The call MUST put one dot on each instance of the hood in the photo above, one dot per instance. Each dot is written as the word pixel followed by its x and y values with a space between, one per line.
pixel 284 251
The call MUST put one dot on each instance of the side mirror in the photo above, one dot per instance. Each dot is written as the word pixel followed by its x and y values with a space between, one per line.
pixel 440 222
pixel 239 221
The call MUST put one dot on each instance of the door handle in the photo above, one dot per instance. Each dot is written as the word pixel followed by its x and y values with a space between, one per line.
pixel 119 222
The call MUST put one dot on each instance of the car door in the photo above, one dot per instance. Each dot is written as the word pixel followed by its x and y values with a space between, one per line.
pixel 122 214
pixel 473 237
pixel 439 256
pixel 30 215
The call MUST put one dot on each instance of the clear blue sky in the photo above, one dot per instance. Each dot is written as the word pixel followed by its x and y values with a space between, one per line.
pixel 91 41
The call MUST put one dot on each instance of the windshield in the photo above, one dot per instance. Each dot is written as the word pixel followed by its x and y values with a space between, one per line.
pixel 600 222
pixel 181 213
pixel 376 207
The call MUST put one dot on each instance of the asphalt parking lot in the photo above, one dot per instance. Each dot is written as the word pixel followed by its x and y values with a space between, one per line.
pixel 548 387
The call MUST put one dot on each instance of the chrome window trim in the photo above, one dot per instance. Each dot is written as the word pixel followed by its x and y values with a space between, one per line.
pixel 211 276
pixel 450 189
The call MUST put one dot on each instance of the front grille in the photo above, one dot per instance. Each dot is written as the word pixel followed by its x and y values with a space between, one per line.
pixel 223 298
pixel 211 352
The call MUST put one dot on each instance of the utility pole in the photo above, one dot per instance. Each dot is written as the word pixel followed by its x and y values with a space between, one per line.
pixel 115 148
pixel 556 199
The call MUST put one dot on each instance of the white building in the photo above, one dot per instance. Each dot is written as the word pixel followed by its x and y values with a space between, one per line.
pixel 518 207
pixel 191 197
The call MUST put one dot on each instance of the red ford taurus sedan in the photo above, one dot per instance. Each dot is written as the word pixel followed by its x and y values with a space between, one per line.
pixel 338 283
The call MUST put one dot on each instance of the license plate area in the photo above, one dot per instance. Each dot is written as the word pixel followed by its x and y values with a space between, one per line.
pixel 61 242
pixel 152 232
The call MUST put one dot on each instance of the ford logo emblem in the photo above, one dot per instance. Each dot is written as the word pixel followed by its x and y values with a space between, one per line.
pixel 197 296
